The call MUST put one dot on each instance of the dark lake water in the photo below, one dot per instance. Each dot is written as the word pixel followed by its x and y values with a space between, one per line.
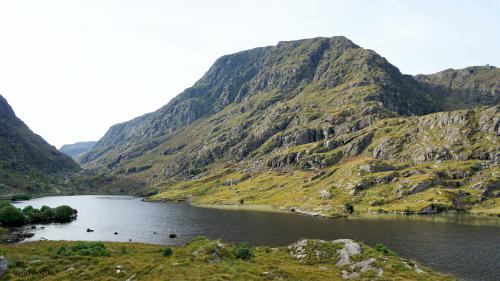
pixel 468 252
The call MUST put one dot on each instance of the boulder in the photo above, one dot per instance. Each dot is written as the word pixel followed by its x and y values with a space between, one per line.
pixel 350 248
pixel 325 194
pixel 4 265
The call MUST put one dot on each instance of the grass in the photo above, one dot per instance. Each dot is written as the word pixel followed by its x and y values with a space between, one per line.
pixel 200 259
pixel 450 185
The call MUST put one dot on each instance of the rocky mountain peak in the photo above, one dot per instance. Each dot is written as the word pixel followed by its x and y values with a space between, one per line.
pixel 5 109
pixel 254 103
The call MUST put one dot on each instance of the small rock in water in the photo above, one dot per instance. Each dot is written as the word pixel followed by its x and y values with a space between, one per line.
pixel 90 230
pixel 130 240
pixel 172 235
pixel 33 227
pixel 116 233
pixel 154 232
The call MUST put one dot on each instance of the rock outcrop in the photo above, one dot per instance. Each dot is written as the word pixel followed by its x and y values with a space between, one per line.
pixel 343 253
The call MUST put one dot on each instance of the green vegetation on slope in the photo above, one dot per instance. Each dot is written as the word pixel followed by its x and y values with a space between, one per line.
pixel 289 126
pixel 203 259
pixel 404 167
pixel 28 164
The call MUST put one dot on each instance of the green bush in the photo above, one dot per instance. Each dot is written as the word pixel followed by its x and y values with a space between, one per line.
pixel 4 203
pixel 94 249
pixel 243 251
pixel 46 213
pixel 21 197
pixel 64 213
pixel 381 248
pixel 62 250
pixel 32 214
pixel 167 252
pixel 11 216
pixel 349 208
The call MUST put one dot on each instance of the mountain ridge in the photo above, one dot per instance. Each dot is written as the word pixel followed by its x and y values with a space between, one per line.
pixel 27 161
pixel 276 107
pixel 76 150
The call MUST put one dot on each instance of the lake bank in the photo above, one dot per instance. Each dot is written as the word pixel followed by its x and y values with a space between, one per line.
pixel 201 258
pixel 453 217
pixel 443 246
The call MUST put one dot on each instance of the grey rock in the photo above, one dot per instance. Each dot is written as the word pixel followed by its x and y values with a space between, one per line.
pixel 4 265
pixel 325 194
pixel 419 270
pixel 349 275
pixel 350 248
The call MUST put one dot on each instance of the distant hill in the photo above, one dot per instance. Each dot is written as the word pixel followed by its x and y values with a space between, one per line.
pixel 313 125
pixel 27 162
pixel 76 150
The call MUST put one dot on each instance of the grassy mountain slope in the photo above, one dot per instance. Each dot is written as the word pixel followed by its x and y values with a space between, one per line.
pixel 27 162
pixel 291 125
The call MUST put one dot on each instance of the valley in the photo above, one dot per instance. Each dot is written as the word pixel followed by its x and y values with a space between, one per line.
pixel 316 138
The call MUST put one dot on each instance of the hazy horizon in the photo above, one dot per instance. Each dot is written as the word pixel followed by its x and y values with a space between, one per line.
pixel 70 70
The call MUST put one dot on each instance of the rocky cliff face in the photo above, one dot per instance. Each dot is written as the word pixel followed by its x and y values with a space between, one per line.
pixel 283 71
pixel 306 105
pixel 27 161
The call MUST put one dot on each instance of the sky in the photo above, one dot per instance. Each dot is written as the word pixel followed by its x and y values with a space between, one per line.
pixel 71 69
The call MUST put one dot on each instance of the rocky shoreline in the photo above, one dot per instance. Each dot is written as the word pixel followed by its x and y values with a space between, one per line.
pixel 459 217
pixel 14 235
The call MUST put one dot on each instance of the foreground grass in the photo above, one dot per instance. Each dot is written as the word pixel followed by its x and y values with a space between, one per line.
pixel 200 259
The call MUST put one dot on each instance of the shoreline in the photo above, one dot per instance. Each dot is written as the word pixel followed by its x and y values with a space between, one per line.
pixel 70 260
pixel 469 218
pixel 445 217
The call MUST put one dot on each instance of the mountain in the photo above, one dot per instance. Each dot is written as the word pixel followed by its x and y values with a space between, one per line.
pixel 76 150
pixel 27 162
pixel 313 125
pixel 469 86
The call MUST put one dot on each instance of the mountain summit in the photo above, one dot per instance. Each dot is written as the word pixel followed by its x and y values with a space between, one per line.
pixel 308 108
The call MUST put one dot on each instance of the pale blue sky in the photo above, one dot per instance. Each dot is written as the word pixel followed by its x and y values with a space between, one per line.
pixel 71 69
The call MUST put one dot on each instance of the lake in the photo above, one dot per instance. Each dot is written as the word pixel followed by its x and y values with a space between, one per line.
pixel 469 252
